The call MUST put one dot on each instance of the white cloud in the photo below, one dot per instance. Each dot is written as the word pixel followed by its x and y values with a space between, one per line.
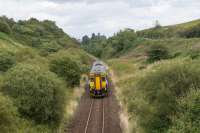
pixel 105 16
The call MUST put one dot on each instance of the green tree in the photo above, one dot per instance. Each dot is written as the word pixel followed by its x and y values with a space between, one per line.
pixel 38 94
pixel 123 40
pixel 85 40
pixel 7 60
pixel 67 69
pixel 157 52
pixel 4 27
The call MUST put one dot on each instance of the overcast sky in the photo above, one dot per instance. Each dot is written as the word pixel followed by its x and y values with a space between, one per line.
pixel 80 17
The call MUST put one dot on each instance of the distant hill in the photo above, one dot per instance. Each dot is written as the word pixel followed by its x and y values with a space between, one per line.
pixel 187 30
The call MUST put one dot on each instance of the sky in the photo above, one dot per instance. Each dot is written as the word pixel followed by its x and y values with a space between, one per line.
pixel 81 17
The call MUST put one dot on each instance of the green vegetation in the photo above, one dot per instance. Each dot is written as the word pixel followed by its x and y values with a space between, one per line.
pixel 67 69
pixel 187 119
pixel 186 30
pixel 8 115
pixel 157 52
pixel 7 60
pixel 157 91
pixel 37 94
pixel 157 77
pixel 94 45
pixel 34 99
pixel 114 46
pixel 4 27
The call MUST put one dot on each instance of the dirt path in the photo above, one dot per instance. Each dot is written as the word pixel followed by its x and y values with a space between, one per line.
pixel 99 115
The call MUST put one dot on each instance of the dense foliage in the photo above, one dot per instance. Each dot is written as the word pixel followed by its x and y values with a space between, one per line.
pixel 67 69
pixel 114 46
pixel 157 53
pixel 38 95
pixel 162 93
pixel 188 114
pixel 191 32
pixel 122 41
pixel 34 99
pixel 7 60
pixel 44 35
pixel 8 115
pixel 94 45
pixel 4 27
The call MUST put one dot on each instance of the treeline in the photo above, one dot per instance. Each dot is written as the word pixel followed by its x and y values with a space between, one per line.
pixel 94 44
pixel 103 47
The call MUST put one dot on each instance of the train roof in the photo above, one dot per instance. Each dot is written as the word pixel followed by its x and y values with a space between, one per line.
pixel 98 63
pixel 98 67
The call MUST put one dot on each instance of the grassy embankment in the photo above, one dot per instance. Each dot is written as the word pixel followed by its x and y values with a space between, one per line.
pixel 162 96
pixel 39 76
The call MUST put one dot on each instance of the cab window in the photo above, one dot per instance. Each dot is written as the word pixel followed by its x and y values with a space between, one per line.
pixel 91 79
pixel 103 78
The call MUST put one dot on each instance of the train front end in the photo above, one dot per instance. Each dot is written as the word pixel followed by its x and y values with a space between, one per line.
pixel 98 81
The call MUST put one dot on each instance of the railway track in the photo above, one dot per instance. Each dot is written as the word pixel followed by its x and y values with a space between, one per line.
pixel 96 115
pixel 93 112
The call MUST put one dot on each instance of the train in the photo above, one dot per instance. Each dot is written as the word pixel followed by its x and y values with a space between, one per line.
pixel 98 81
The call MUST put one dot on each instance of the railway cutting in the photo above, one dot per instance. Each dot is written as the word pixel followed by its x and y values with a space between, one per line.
pixel 98 110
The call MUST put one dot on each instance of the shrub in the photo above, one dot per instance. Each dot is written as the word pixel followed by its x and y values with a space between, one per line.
pixel 187 119
pixel 4 27
pixel 51 47
pixel 158 90
pixel 7 60
pixel 25 54
pixel 67 69
pixel 38 94
pixel 157 52
pixel 191 32
pixel 8 115
pixel 194 54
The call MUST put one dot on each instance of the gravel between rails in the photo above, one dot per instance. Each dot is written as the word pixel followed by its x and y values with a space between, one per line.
pixel 104 117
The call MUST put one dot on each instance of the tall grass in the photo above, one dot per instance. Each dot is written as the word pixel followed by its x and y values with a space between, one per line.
pixel 152 95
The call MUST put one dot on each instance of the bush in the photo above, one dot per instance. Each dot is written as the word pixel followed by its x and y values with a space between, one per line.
pixel 7 60
pixel 194 54
pixel 4 27
pixel 157 52
pixel 51 47
pixel 155 98
pixel 38 94
pixel 191 32
pixel 8 115
pixel 67 69
pixel 25 54
pixel 187 119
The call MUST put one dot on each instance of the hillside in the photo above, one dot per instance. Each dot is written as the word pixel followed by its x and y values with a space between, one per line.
pixel 156 72
pixel 40 67
pixel 186 30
